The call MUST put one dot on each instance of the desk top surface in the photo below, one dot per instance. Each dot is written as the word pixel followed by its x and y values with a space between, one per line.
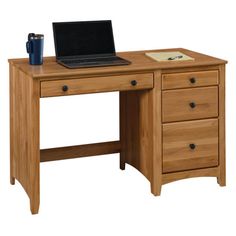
pixel 140 62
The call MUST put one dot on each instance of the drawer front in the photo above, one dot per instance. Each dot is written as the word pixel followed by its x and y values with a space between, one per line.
pixel 189 79
pixel 190 145
pixel 96 84
pixel 189 104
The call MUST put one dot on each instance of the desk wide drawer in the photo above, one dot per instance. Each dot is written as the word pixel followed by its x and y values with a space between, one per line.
pixel 96 84
pixel 189 104
pixel 189 79
pixel 190 145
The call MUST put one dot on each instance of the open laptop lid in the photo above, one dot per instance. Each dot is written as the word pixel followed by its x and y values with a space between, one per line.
pixel 83 39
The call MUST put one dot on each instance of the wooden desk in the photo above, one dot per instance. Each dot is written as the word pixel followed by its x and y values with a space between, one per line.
pixel 172 117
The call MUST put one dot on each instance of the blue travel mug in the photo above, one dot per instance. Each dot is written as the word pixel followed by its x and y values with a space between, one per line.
pixel 34 47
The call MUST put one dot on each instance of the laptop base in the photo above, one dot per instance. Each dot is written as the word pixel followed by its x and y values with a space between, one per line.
pixel 93 62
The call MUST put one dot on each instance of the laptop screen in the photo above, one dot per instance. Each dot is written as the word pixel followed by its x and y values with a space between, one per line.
pixel 83 38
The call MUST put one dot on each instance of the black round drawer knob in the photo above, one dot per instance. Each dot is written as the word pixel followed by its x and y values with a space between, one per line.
pixel 192 146
pixel 192 104
pixel 65 88
pixel 192 80
pixel 134 82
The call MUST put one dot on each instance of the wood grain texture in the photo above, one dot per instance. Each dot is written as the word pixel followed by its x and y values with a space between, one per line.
pixel 24 119
pixel 147 141
pixel 222 173
pixel 95 85
pixel 85 150
pixel 138 131
pixel 140 63
pixel 177 154
pixel 183 80
pixel 206 172
pixel 13 74
pixel 123 128
pixel 157 136
pixel 191 69
pixel 141 132
pixel 176 104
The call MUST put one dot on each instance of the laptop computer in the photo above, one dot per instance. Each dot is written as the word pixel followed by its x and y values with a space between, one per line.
pixel 85 44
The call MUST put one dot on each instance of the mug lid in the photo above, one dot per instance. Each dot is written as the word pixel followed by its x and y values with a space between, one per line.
pixel 36 36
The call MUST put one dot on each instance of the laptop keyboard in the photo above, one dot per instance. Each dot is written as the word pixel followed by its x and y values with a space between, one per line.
pixel 92 60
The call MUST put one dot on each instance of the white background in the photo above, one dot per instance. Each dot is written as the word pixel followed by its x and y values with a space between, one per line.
pixel 92 196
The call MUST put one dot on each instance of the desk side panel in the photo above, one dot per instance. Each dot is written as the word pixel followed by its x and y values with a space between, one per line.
pixel 13 72
pixel 24 133
pixel 222 146
pixel 136 131
pixel 141 132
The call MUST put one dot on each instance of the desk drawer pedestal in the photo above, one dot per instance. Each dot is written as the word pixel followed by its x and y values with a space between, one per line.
pixel 193 124
pixel 180 125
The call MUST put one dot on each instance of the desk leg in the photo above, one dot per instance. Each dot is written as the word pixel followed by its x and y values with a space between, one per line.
pixel 221 179
pixel 12 73
pixel 156 107
pixel 122 128
pixel 24 126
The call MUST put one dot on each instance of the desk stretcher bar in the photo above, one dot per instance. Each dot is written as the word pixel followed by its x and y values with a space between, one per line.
pixel 61 153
